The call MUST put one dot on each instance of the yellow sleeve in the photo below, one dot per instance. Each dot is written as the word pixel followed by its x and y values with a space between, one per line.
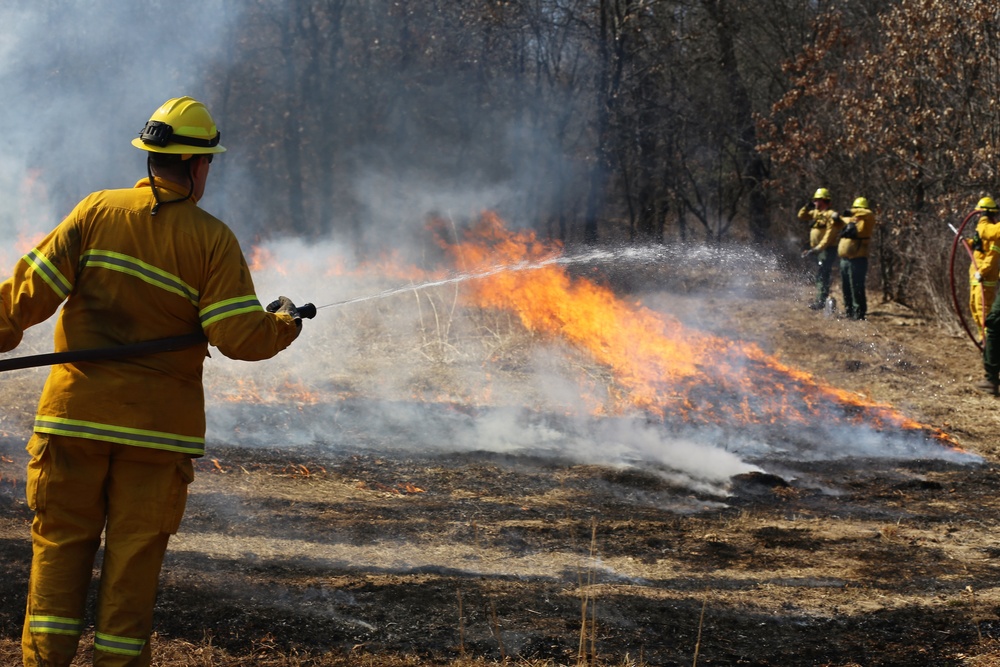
pixel 231 314
pixel 865 222
pixel 989 262
pixel 42 280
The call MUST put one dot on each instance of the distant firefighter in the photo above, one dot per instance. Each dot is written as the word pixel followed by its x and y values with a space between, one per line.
pixel 985 266
pixel 983 275
pixel 852 248
pixel 825 225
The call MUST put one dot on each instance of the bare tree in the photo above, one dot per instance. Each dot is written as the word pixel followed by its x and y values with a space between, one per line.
pixel 910 113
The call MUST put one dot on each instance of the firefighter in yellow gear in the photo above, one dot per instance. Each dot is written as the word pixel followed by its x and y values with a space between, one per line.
pixel 985 267
pixel 113 441
pixel 824 226
pixel 852 248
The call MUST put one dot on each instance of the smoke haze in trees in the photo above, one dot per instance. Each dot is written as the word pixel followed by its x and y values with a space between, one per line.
pixel 341 119
pixel 79 81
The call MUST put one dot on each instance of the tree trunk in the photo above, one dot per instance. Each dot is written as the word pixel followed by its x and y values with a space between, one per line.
pixel 751 164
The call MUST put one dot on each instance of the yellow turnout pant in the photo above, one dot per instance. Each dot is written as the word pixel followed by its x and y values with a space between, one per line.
pixel 78 489
pixel 980 300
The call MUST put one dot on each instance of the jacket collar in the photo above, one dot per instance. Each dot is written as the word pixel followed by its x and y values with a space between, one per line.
pixel 170 186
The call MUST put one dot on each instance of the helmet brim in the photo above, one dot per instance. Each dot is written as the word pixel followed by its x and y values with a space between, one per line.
pixel 177 149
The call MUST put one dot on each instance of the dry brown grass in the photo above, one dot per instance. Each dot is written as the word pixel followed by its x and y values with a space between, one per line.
pixel 176 653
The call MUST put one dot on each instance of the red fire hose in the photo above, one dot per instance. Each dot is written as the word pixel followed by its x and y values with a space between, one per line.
pixel 959 310
pixel 120 351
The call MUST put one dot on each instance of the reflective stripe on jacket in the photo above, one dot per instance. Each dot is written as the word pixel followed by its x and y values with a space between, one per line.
pixel 987 260
pixel 127 276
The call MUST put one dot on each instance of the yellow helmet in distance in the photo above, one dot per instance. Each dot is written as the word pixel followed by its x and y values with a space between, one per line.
pixel 181 126
pixel 822 193
pixel 860 202
pixel 987 204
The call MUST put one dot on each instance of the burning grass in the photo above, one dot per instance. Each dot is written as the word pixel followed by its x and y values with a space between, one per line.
pixel 665 368
pixel 506 322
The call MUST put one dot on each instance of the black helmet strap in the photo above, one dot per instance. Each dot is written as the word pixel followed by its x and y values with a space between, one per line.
pixel 160 134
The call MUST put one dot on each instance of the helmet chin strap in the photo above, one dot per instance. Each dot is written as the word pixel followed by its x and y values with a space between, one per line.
pixel 156 191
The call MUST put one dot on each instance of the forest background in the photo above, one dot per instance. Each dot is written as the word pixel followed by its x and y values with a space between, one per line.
pixel 591 121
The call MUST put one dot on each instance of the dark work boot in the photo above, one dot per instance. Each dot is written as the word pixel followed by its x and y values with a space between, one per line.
pixel 988 386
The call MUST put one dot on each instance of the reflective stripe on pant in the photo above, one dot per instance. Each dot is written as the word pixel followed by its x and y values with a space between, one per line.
pixel 980 301
pixel 79 488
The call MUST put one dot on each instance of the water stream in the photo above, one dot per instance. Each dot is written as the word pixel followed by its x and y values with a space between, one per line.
pixel 598 256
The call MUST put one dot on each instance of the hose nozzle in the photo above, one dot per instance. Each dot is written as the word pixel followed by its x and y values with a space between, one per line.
pixel 306 311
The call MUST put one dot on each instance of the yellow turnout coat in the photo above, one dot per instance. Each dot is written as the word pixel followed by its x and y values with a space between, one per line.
pixel 147 277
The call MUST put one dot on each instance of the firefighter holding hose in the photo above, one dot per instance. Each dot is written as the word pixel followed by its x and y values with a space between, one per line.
pixel 114 440
pixel 985 266
pixel 824 226
pixel 983 274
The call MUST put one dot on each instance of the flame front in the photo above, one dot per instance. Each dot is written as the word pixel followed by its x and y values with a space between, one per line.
pixel 665 368
pixel 659 366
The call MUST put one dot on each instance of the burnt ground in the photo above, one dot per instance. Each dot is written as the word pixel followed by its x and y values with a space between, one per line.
pixel 342 550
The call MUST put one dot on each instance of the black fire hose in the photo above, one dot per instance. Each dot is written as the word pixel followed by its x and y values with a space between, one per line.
pixel 144 348
pixel 959 309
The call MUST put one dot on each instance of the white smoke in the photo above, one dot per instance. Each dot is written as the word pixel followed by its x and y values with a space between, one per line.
pixel 398 372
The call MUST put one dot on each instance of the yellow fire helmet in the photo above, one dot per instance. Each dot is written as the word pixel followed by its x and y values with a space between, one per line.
pixel 181 126
pixel 860 202
pixel 987 204
pixel 822 193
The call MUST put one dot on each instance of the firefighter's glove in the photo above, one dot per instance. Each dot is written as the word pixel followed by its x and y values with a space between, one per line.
pixel 850 231
pixel 284 305
pixel 978 276
pixel 846 214
pixel 810 206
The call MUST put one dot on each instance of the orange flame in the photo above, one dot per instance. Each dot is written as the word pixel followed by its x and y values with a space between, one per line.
pixel 666 369
pixel 33 196
pixel 27 241
pixel 660 366
pixel 261 259
pixel 246 390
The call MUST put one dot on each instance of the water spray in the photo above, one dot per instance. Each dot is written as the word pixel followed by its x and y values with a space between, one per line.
pixel 306 311
pixel 591 256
